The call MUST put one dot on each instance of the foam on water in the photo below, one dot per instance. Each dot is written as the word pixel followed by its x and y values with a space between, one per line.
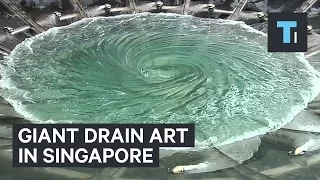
pixel 8 85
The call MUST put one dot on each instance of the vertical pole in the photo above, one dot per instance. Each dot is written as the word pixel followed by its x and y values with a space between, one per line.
pixel 186 6
pixel 132 5
pixel 78 7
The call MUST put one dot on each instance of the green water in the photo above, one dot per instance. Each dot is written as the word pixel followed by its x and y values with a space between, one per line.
pixel 161 69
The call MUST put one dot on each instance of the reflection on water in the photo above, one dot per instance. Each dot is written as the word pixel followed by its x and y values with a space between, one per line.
pixel 159 68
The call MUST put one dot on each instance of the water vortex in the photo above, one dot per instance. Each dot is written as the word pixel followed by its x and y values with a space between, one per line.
pixel 160 68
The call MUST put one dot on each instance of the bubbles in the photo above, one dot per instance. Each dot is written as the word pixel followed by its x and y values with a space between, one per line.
pixel 159 68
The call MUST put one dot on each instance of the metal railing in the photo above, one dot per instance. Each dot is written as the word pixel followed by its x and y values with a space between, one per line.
pixel 240 6
pixel 306 6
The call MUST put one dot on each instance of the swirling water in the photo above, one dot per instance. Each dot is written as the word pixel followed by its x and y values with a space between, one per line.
pixel 159 68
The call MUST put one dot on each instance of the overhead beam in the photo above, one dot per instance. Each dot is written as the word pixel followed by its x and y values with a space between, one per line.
pixel 3 48
pixel 240 6
pixel 78 7
pixel 306 6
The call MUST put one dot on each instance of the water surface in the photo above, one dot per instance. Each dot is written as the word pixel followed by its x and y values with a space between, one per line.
pixel 159 68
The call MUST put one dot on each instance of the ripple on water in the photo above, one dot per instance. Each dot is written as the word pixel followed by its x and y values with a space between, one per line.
pixel 160 68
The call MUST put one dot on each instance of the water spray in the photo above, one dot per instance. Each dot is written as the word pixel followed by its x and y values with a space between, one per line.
pixel 159 5
pixel 309 29
pixel 8 30
pixel 211 8
pixel 262 17
pixel 57 15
